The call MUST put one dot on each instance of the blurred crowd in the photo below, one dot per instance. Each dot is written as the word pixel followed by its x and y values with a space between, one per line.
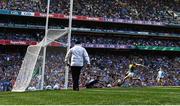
pixel 148 10
pixel 109 66
pixel 9 67
pixel 90 39
pixel 21 36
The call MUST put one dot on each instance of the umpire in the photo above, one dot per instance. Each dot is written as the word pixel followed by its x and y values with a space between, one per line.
pixel 75 58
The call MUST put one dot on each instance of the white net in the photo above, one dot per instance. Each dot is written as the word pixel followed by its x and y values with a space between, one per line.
pixel 30 71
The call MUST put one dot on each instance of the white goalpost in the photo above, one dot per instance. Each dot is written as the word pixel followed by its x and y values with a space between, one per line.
pixel 32 58
pixel 69 42
pixel 44 48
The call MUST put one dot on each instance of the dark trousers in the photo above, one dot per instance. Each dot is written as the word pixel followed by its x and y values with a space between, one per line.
pixel 75 76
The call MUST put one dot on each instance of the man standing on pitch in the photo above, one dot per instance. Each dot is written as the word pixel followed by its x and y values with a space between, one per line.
pixel 75 58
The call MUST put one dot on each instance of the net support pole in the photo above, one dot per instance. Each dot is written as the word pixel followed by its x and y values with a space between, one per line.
pixel 69 42
pixel 44 46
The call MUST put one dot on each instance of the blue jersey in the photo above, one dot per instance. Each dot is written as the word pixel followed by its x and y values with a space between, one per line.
pixel 161 74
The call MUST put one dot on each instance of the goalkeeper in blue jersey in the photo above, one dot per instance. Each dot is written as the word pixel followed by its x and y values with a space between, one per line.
pixel 131 73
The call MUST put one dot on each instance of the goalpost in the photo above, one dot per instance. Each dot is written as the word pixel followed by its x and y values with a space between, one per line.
pixel 33 58
pixel 45 40
pixel 69 42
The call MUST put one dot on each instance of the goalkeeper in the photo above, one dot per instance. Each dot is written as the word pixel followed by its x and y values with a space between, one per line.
pixel 75 58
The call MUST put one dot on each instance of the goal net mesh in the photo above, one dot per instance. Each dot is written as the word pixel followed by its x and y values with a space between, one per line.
pixel 30 73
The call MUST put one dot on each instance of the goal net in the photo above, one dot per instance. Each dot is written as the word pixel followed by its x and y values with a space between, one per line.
pixel 30 74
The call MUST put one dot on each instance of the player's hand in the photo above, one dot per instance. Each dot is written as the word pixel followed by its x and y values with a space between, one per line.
pixel 144 66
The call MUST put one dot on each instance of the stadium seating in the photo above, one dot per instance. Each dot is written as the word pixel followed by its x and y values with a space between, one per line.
pixel 151 10
pixel 97 39
pixel 110 67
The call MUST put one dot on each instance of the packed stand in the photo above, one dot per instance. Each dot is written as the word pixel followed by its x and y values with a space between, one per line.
pixel 9 66
pixel 21 36
pixel 114 66
pixel 90 39
pixel 109 66
pixel 146 10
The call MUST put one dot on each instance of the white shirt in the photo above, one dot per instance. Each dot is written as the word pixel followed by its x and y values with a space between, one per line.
pixel 160 73
pixel 77 55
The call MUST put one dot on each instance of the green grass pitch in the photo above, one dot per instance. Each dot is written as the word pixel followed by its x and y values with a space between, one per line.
pixel 106 96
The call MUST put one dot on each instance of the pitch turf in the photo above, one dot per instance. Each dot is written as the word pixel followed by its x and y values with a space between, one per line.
pixel 113 96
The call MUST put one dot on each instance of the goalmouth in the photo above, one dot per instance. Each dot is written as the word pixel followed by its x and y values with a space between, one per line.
pixel 30 62
pixel 33 59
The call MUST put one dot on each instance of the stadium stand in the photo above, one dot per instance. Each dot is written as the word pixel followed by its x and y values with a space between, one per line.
pixel 107 65
pixel 125 41
pixel 111 65
pixel 151 10
pixel 89 39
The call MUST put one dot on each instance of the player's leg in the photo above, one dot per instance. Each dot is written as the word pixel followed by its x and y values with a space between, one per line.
pixel 125 78
pixel 75 77
pixel 131 81
pixel 161 81
pixel 136 78
pixel 139 81
pixel 158 80
pixel 131 76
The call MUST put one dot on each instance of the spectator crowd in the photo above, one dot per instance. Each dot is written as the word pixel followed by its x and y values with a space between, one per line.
pixel 145 10
pixel 110 66
pixel 90 39
pixel 117 40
